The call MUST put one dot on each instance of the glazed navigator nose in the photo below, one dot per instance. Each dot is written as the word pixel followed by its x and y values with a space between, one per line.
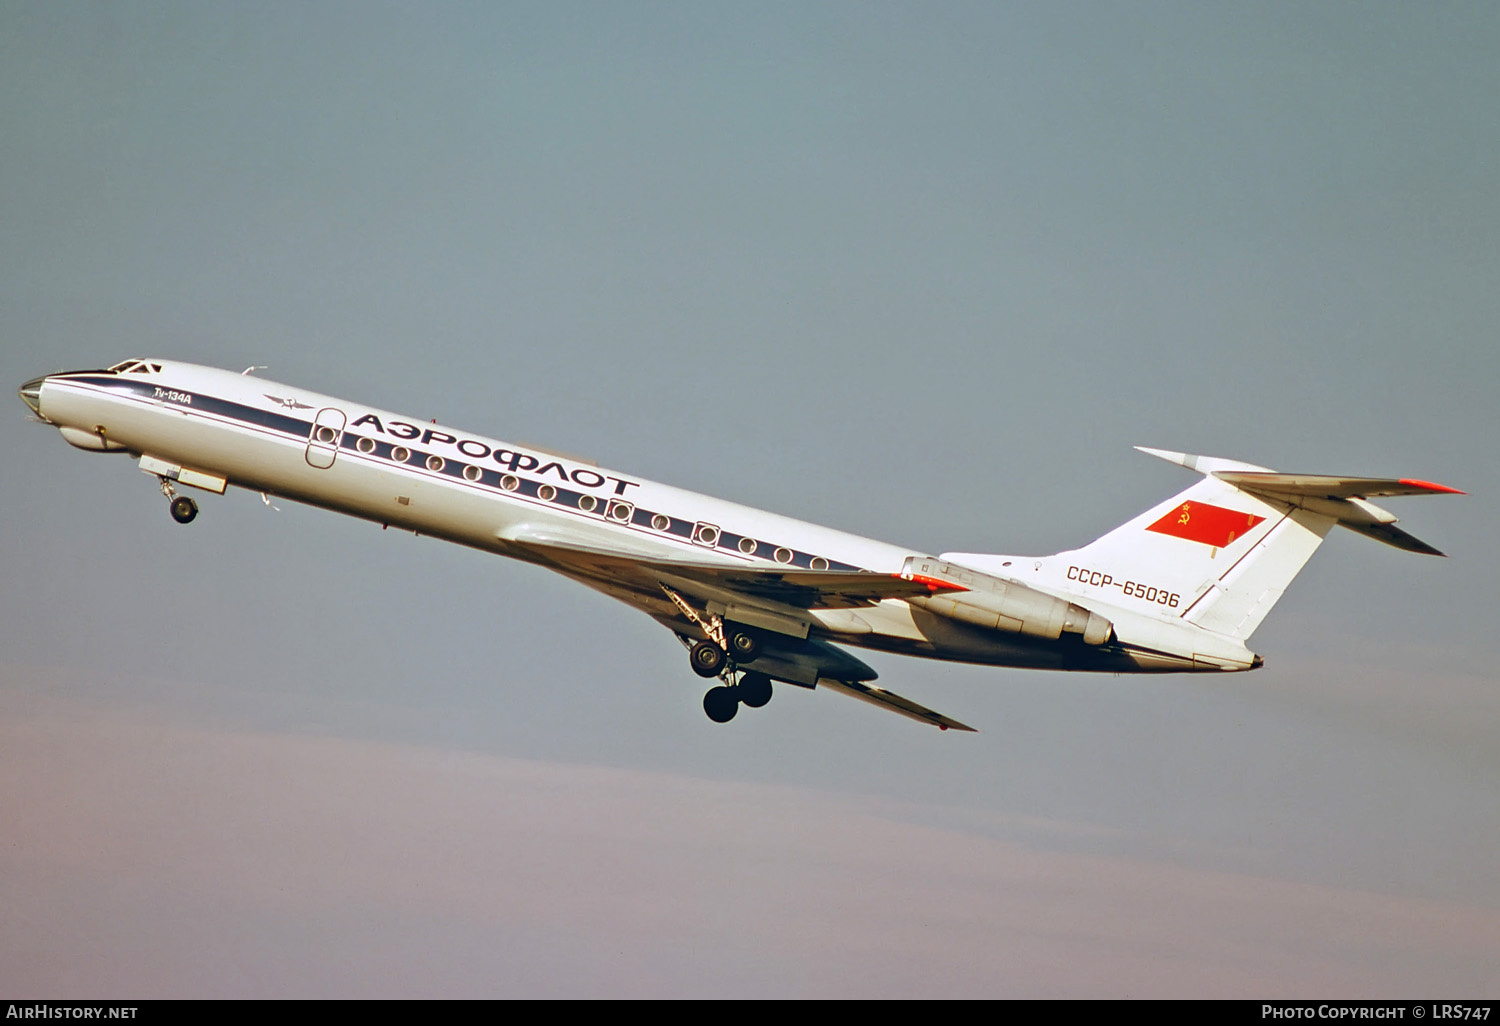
pixel 31 393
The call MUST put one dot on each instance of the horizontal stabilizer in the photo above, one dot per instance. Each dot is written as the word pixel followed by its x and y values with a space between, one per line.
pixel 1341 498
pixel 1330 487
pixel 1393 535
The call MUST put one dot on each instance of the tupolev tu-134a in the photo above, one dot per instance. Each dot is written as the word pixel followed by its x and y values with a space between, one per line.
pixel 754 597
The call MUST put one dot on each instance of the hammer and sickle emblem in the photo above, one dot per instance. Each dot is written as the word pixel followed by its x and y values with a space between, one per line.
pixel 1184 518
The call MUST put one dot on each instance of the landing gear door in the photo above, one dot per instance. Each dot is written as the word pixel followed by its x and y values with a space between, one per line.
pixel 323 442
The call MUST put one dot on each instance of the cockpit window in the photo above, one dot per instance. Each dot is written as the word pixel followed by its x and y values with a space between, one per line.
pixel 135 367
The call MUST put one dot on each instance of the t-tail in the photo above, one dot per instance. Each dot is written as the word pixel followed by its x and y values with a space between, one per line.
pixel 1227 548
pixel 1215 557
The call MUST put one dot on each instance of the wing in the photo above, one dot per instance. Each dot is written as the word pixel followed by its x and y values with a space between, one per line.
pixel 648 569
pixel 895 703
pixel 776 599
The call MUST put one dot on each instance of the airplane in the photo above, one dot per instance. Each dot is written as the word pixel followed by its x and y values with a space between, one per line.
pixel 754 597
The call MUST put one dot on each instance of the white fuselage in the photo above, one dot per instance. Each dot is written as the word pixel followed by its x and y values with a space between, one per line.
pixel 434 480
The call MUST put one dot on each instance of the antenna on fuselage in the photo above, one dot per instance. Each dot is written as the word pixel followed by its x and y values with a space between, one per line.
pixel 254 367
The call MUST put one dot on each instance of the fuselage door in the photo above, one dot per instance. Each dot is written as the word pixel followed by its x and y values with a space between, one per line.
pixel 323 443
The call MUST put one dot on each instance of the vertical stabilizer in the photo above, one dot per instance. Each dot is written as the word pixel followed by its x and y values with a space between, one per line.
pixel 1221 556
pixel 1221 553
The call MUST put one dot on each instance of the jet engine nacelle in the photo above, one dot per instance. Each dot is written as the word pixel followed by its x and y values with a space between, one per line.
pixel 1003 605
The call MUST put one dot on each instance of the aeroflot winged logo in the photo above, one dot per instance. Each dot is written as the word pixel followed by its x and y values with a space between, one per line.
pixel 290 404
pixel 1206 523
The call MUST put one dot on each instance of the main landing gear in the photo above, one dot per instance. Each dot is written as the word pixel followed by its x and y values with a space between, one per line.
pixel 727 647
pixel 710 659
pixel 743 646
pixel 722 702
pixel 707 659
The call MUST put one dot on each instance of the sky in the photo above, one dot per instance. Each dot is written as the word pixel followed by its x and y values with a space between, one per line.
pixel 920 272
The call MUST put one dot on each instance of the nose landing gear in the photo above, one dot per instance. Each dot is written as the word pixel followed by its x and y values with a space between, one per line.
pixel 183 509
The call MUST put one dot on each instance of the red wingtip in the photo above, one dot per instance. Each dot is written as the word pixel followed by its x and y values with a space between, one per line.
pixel 1444 489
